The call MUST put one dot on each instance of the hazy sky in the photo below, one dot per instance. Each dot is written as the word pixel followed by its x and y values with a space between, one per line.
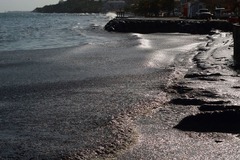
pixel 23 5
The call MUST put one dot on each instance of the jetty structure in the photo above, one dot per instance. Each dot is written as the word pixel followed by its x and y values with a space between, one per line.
pixel 167 25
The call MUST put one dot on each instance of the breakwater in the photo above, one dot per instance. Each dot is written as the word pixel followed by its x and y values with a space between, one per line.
pixel 153 25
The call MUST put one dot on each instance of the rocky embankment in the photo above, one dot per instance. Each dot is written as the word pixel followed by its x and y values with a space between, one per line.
pixel 152 25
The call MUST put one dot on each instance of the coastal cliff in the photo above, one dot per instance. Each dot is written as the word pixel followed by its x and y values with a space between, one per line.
pixel 72 6
pixel 151 25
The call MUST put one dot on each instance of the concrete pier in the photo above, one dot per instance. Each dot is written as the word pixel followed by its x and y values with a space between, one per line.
pixel 167 25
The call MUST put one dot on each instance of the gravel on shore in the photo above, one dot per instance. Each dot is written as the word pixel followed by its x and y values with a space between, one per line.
pixel 201 120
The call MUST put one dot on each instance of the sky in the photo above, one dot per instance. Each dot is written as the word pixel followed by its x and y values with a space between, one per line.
pixel 23 5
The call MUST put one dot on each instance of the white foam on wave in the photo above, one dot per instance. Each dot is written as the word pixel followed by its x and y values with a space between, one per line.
pixel 188 47
pixel 167 56
pixel 111 15
pixel 143 42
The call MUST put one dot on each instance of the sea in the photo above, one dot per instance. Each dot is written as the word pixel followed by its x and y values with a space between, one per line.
pixel 68 87
pixel 28 30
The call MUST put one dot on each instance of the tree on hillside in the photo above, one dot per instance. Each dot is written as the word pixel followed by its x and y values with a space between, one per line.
pixel 147 7
pixel 72 6
pixel 153 7
pixel 167 5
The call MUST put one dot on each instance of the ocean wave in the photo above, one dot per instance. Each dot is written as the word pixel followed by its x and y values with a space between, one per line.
pixel 39 31
pixel 111 15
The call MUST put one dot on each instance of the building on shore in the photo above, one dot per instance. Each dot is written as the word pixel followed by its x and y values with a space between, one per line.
pixel 189 8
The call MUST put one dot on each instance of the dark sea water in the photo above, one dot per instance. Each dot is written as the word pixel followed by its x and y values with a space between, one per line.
pixel 64 81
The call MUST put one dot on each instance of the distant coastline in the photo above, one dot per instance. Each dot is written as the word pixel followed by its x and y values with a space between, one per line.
pixel 72 6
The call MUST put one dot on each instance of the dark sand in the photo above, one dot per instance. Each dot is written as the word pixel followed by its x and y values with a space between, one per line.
pixel 201 120
pixel 134 101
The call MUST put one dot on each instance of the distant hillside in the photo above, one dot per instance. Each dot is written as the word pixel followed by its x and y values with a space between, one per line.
pixel 73 6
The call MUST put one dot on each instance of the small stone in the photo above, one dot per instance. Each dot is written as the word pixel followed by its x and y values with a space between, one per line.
pixel 101 147
pixel 218 141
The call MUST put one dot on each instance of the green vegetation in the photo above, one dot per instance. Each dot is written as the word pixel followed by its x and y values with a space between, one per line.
pixel 72 6
pixel 153 7
pixel 139 7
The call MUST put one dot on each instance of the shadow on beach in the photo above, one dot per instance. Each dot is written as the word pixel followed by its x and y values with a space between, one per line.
pixel 224 122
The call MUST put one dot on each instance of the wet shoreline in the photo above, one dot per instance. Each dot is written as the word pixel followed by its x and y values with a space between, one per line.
pixel 201 119
pixel 83 100
pixel 105 116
